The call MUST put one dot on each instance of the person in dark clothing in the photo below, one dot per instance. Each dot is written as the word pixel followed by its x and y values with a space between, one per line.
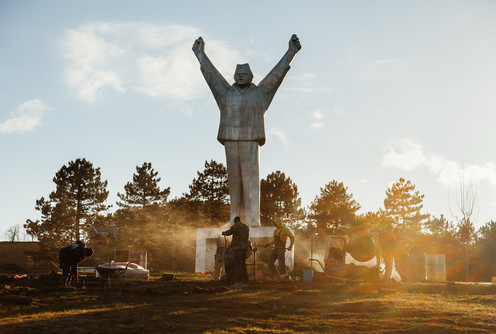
pixel 230 266
pixel 239 245
pixel 69 258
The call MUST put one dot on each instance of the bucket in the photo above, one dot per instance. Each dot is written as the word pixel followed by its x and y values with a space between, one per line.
pixel 435 268
pixel 308 276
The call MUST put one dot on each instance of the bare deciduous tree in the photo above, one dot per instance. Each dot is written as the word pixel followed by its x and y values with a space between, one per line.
pixel 13 233
pixel 466 204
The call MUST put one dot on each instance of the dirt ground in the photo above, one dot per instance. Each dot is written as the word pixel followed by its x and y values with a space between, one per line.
pixel 192 303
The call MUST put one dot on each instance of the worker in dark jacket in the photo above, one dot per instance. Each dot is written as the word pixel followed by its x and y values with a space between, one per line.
pixel 239 245
pixel 70 257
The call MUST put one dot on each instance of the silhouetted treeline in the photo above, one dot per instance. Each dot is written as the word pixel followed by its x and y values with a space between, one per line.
pixel 145 218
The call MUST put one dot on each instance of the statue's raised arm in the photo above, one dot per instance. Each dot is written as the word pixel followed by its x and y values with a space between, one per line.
pixel 294 46
pixel 212 76
pixel 273 80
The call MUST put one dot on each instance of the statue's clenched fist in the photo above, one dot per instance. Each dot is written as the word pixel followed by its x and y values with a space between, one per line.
pixel 294 44
pixel 198 45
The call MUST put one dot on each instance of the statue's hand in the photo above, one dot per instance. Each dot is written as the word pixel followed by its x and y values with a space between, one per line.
pixel 294 44
pixel 199 45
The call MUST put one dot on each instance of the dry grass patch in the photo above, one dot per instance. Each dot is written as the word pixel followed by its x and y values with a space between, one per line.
pixel 192 304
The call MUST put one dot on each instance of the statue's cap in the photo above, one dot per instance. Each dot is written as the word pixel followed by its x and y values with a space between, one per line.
pixel 243 68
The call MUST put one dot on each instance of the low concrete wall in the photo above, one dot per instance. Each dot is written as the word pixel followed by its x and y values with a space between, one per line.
pixel 17 253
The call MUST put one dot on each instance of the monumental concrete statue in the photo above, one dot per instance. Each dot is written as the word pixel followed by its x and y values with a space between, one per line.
pixel 242 107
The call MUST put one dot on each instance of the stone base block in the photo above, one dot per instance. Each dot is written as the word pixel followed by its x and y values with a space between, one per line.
pixel 206 245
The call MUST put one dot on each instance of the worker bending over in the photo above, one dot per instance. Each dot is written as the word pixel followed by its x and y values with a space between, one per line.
pixel 70 257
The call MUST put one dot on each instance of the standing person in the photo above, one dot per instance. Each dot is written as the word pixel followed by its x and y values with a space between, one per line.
pixel 242 108
pixel 402 247
pixel 387 244
pixel 239 245
pixel 219 259
pixel 281 235
pixel 69 258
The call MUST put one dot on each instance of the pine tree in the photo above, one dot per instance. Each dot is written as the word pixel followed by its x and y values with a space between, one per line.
pixel 487 233
pixel 334 211
pixel 371 222
pixel 279 199
pixel 76 204
pixel 142 208
pixel 207 202
pixel 440 227
pixel 144 190
pixel 403 204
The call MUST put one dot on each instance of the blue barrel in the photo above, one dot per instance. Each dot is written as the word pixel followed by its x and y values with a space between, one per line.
pixel 308 276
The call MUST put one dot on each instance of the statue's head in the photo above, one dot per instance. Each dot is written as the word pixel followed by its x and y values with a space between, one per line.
pixel 243 75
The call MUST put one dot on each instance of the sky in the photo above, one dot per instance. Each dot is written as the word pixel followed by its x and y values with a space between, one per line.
pixel 381 90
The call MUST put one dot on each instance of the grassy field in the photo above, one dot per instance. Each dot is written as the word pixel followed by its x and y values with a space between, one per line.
pixel 192 304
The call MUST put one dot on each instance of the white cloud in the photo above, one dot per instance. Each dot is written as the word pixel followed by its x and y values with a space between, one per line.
pixel 25 118
pixel 407 155
pixel 280 135
pixel 319 119
pixel 404 154
pixel 91 58
pixel 159 37
pixel 318 114
pixel 90 82
pixel 150 59
pixel 317 125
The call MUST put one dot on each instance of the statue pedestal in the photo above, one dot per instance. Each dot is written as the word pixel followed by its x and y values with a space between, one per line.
pixel 206 245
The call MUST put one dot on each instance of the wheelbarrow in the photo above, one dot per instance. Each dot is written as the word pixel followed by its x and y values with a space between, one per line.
pixel 108 273
pixel 347 274
pixel 362 248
